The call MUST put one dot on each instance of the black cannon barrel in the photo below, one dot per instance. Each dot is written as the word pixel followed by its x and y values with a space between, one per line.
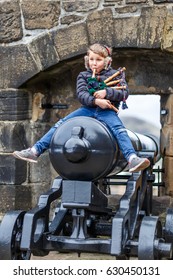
pixel 84 149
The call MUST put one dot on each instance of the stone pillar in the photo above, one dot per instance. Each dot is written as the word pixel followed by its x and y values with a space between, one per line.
pixel 167 141
pixel 21 183
pixel 14 115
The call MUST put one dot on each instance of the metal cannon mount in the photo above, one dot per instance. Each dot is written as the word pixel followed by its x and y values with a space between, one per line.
pixel 83 221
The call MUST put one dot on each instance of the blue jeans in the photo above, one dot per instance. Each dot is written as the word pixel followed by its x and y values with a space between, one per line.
pixel 106 116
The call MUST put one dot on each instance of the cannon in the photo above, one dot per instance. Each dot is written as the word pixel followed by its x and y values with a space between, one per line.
pixel 87 160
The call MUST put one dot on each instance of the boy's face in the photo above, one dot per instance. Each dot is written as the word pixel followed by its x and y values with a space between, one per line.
pixel 96 62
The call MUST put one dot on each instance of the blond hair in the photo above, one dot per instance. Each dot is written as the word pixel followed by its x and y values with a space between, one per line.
pixel 101 50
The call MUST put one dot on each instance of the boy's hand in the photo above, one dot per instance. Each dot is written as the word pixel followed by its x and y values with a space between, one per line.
pixel 103 103
pixel 100 94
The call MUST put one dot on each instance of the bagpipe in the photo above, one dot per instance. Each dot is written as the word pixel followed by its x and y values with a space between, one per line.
pixel 94 84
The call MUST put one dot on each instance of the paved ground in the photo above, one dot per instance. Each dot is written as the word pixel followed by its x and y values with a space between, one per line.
pixel 74 256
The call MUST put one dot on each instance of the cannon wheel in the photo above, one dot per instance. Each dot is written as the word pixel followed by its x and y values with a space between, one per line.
pixel 169 226
pixel 10 237
pixel 150 229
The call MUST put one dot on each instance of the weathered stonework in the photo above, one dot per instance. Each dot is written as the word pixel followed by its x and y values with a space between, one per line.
pixel 17 65
pixel 127 10
pixel 100 27
pixel 138 32
pixel 128 35
pixel 71 41
pixel 40 14
pixel 150 31
pixel 43 51
pixel 11 171
pixel 36 172
pixel 167 105
pixel 71 19
pixel 166 141
pixel 11 25
pixel 135 1
pixel 168 176
pixel 15 105
pixel 42 43
pixel 12 136
pixel 167 39
pixel 73 6
pixel 7 198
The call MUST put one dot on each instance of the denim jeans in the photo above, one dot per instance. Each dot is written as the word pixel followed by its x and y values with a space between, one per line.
pixel 106 116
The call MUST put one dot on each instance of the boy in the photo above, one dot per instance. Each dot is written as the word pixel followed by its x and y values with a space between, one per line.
pixel 98 101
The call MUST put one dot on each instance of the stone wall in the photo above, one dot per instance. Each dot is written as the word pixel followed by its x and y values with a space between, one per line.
pixel 42 44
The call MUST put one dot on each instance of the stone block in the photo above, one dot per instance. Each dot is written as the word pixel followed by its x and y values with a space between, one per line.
pixel 167 109
pixel 41 14
pixel 14 197
pixel 37 130
pixel 12 170
pixel 150 31
pixel 127 10
pixel 44 52
pixel 100 25
pixel 167 38
pixel 17 65
pixel 7 198
pixel 135 1
pixel 37 190
pixel 125 32
pixel 71 19
pixel 71 41
pixel 11 24
pixel 23 197
pixel 12 136
pixel 137 31
pixel 166 141
pixel 168 175
pixel 72 6
pixel 15 105
pixel 41 172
